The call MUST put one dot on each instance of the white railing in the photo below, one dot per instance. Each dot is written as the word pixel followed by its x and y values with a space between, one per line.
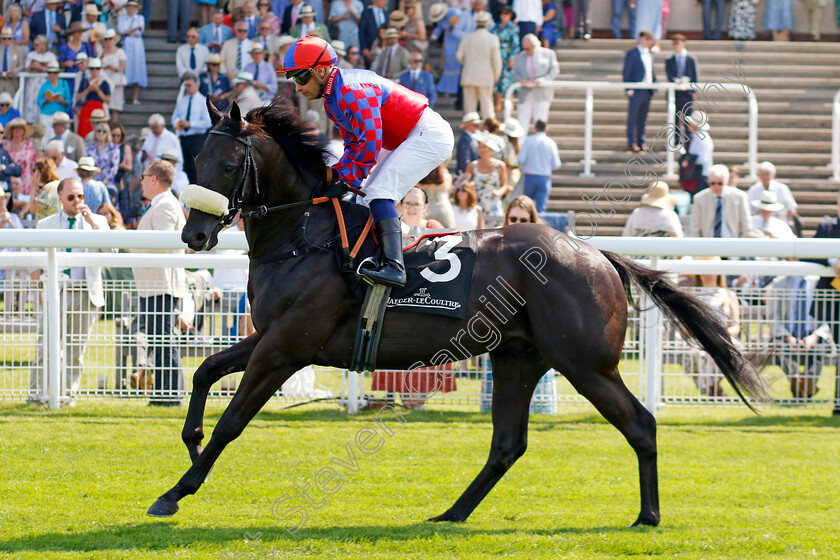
pixel 671 87
pixel 835 137
pixel 20 94
pixel 651 355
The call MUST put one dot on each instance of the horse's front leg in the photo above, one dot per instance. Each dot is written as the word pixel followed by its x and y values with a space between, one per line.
pixel 220 364
pixel 266 371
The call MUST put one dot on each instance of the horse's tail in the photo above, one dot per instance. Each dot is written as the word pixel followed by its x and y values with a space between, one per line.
pixel 701 322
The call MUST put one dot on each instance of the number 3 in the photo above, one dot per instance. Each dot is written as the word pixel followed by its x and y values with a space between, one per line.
pixel 443 254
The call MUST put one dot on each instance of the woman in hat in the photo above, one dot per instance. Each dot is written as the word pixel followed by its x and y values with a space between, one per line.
pixel 37 61
pixel 508 34
pixel 131 26
pixel 512 131
pixel 413 32
pixel 548 34
pixel 53 96
pixel 43 183
pixel 18 25
pixel 215 85
pixel 105 154
pixel 490 178
pixel 74 45
pixel 113 70
pixel 345 15
pixel 22 150
pixel 94 93
pixel 446 19
pixel 656 216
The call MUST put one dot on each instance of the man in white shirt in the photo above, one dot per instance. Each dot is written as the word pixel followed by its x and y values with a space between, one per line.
pixel 159 140
pixel 766 222
pixel 701 146
pixel 191 120
pixel 192 56
pixel 767 182
pixel 638 67
pixel 66 167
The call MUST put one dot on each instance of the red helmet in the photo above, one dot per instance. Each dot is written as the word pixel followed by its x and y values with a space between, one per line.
pixel 309 53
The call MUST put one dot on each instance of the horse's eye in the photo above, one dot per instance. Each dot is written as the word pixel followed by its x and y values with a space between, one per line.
pixel 230 168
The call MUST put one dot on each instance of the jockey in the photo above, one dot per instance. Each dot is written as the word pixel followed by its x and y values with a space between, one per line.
pixel 392 139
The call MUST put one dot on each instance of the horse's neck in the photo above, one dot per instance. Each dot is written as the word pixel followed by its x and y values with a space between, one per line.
pixel 283 231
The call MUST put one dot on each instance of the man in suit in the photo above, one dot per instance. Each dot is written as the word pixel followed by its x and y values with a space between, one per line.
pixel 160 288
pixel 82 294
pixel 306 25
pixel 393 59
pixel 531 66
pixel 466 150
pixel 250 17
pixel 417 79
pixel 720 210
pixel 191 56
pixel 214 34
pixel 11 62
pixel 638 67
pixel 682 69
pixel 191 122
pixel 268 41
pixel 236 52
pixel 48 22
pixel 826 306
pixel 373 17
pixel 74 145
pixel 290 16
pixel 711 32
pixel 481 58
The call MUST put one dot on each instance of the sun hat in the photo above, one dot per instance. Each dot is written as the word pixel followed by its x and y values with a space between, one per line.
pixel 98 115
pixel 18 122
pixel 437 11
pixel 53 67
pixel 215 59
pixel 512 128
pixel 659 196
pixel 82 56
pixel 88 164
pixel 109 34
pixel 488 139
pixel 60 117
pixel 339 47
pixel 470 118
pixel 699 119
pixel 257 47
pixel 392 33
pixel 768 201
pixel 7 33
pixel 398 19
pixel 5 97
pixel 483 19
pixel 95 63
pixel 92 10
pixel 306 11
pixel 75 27
pixel 170 153
pixel 243 78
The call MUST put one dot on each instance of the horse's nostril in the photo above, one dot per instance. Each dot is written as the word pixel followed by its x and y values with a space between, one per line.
pixel 200 237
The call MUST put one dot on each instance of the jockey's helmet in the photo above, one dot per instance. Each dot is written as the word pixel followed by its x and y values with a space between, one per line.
pixel 307 54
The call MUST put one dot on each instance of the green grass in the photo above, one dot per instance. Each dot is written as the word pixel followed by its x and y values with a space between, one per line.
pixel 75 483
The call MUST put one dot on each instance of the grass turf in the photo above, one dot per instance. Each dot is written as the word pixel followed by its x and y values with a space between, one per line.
pixel 75 483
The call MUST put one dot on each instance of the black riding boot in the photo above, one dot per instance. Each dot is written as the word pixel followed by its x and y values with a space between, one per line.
pixel 391 271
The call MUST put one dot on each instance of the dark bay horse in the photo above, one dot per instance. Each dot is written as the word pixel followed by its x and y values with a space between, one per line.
pixel 572 317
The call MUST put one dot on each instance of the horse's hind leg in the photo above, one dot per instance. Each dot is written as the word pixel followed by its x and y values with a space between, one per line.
pixel 617 404
pixel 515 375
pixel 215 367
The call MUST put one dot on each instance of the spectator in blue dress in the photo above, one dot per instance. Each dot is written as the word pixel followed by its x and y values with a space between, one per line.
pixel 345 14
pixel 68 51
pixel 417 79
pixel 548 34
pixel 7 112
pixel 105 154
pixel 446 19
pixel 778 18
pixel 53 96
pixel 215 85
pixel 131 27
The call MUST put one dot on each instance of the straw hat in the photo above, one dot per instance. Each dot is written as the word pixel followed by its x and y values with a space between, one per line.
pixel 437 11
pixel 88 164
pixel 339 47
pixel 95 64
pixel 17 123
pixel 513 129
pixel 110 34
pixel 75 27
pixel 98 115
pixel 132 3
pixel 5 97
pixel 483 19
pixel 60 117
pixel 306 11
pixel 82 56
pixel 699 119
pixel 470 118
pixel 659 196
pixel 285 40
pixel 768 202
pixel 7 33
pixel 488 139
pixel 215 59
pixel 243 78
pixel 257 47
pixel 170 154
pixel 398 19
pixel 392 33
pixel 92 10
pixel 53 67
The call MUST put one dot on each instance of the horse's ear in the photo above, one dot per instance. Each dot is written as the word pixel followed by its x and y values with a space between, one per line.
pixel 215 115
pixel 235 114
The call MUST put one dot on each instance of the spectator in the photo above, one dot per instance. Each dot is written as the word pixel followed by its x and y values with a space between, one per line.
pixel 105 154
pixel 7 112
pixel 480 56
pixel 81 306
pixel 490 178
pixel 353 60
pixel 95 192
pixel 412 210
pixel 191 122
pixel 249 16
pixel 44 198
pixel 177 20
pixel 21 150
pixel 529 17
pixel 373 17
pixel 236 52
pixel 438 187
pixel 778 18
pixel 11 62
pixel 93 30
pixel 742 20
pixel 341 53
pixel 307 25
pixel 290 15
pixel 49 22
pixel 701 147
pixel 94 93
pixel 548 34
pixel 521 209
pixel 815 12
pixel 393 59
pixel 214 84
pixel 345 15
pixel 159 288
pixel 53 96
pixel 656 216
pixel 538 158
pixel 682 69
pixel 445 20
pixel 580 19
pixel 8 169
pixel 97 117
pixel 19 26
pixel 767 182
pixel 74 146
pixel 618 7
pixel 37 60
pixel 191 56
pixel 269 42
pixel 66 167
pixel 414 32
pixel 720 210
pixel 207 9
pixel 265 76
pixel 508 34
pixel 766 222
pixel 159 140
pixel 68 51
pixel 649 16
pixel 8 219
pixel 113 70
pixel 268 18
pixel 638 67
pixel 531 67
pixel 125 152
pixel 467 148
pixel 20 204
pixel 111 214
pixel 512 131
pixel 711 30
pixel 465 207
pixel 131 26
pixel 214 34
pixel 417 79
pixel 180 179
pixel 244 93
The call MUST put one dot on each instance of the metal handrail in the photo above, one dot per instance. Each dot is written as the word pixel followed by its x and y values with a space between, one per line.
pixel 671 87
pixel 17 100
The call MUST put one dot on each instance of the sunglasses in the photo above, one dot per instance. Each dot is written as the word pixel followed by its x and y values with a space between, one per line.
pixel 515 220
pixel 242 31
pixel 716 183
pixel 302 78
pixel 418 60
pixel 72 197
pixel 5 104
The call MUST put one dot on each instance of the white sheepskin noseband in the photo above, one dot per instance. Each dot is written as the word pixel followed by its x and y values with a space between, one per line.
pixel 200 198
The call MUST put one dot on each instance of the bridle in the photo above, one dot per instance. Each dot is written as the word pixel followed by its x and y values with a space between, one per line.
pixel 249 168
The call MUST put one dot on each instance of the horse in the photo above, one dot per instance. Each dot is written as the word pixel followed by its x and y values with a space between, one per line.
pixel 573 316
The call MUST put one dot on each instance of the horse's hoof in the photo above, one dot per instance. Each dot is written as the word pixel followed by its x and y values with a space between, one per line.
pixel 163 508
pixel 649 521
pixel 445 517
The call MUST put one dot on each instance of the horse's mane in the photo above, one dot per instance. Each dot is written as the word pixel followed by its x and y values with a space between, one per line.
pixel 299 139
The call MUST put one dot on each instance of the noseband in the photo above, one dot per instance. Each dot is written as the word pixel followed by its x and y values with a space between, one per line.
pixel 250 168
